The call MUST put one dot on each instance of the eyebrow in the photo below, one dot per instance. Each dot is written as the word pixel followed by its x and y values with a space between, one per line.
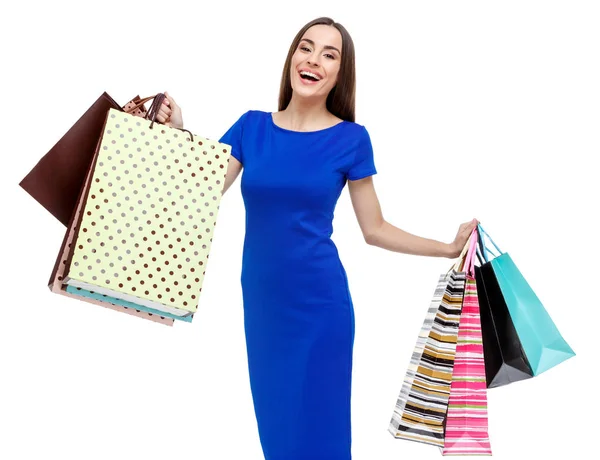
pixel 327 47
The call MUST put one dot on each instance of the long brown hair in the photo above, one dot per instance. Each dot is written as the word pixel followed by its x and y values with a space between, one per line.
pixel 341 98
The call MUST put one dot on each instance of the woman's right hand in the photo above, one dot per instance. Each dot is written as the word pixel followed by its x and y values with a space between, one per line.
pixel 169 113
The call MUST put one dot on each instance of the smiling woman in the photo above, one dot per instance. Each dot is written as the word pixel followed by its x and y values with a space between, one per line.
pixel 298 311
pixel 326 50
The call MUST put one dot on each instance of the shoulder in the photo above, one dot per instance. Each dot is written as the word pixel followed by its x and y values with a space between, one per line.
pixel 356 131
pixel 252 117
pixel 254 114
pixel 247 120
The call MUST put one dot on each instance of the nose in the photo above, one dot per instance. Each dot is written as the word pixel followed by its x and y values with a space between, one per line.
pixel 313 60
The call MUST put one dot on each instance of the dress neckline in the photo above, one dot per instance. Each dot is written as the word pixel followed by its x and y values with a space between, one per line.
pixel 276 126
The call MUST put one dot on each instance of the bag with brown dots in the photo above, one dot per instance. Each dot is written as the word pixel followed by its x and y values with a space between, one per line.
pixel 139 238
pixel 57 180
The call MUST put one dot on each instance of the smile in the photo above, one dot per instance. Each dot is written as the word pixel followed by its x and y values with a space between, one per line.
pixel 309 76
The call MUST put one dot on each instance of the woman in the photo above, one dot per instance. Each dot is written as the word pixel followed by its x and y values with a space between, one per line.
pixel 298 312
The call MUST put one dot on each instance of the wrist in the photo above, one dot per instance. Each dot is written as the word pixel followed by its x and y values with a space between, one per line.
pixel 449 251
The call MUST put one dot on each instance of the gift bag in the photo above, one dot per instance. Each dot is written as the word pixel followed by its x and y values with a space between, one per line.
pixel 421 407
pixel 542 343
pixel 505 359
pixel 58 273
pixel 57 178
pixel 466 425
pixel 417 354
pixel 149 215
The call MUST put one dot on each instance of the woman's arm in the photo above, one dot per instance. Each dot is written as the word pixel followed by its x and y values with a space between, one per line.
pixel 233 170
pixel 378 232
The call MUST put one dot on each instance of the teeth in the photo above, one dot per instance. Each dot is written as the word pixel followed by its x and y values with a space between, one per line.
pixel 310 74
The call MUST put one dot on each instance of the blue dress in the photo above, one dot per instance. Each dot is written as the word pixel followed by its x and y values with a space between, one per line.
pixel 298 312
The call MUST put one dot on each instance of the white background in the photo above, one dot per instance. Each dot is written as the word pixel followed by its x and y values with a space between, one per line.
pixel 475 109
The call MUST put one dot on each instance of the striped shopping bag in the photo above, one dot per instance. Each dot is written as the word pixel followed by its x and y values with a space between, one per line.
pixel 421 407
pixel 466 431
pixel 417 354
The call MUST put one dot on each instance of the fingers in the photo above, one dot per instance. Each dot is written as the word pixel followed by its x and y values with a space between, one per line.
pixel 467 229
pixel 170 102
pixel 167 108
pixel 470 225
pixel 167 103
pixel 164 113
pixel 169 99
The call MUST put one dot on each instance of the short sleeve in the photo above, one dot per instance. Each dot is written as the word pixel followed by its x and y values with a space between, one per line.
pixel 364 163
pixel 233 137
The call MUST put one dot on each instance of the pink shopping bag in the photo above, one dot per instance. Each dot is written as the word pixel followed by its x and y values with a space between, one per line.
pixel 466 425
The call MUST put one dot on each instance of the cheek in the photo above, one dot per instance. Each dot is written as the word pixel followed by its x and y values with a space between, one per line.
pixel 296 58
pixel 334 73
pixel 293 66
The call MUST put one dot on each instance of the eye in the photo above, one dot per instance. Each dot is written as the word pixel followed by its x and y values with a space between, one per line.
pixel 330 56
pixel 304 48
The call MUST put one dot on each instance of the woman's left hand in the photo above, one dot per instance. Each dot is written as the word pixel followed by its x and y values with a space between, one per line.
pixel 462 236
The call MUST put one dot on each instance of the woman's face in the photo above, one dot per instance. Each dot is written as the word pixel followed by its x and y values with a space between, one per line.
pixel 316 62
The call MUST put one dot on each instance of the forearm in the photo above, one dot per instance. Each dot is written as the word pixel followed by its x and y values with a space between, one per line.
pixel 395 239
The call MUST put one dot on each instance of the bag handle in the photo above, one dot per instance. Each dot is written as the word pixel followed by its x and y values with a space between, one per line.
pixel 481 250
pixel 459 261
pixel 133 109
pixel 478 252
pixel 484 249
pixel 470 259
pixel 467 263
pixel 466 256
pixel 140 103
pixel 153 110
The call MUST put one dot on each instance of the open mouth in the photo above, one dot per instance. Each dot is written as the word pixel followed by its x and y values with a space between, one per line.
pixel 309 76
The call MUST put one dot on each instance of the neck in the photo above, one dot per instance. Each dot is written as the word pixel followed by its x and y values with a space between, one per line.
pixel 304 114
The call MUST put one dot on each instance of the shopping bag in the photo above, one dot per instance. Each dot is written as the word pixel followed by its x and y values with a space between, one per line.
pixel 466 424
pixel 149 215
pixel 417 354
pixel 421 408
pixel 541 340
pixel 57 178
pixel 505 359
pixel 58 273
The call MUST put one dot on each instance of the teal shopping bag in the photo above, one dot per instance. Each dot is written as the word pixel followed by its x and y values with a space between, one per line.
pixel 541 340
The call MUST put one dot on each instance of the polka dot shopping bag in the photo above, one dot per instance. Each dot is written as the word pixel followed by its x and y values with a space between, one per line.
pixel 148 216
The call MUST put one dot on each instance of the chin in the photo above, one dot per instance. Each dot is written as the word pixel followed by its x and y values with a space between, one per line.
pixel 308 93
